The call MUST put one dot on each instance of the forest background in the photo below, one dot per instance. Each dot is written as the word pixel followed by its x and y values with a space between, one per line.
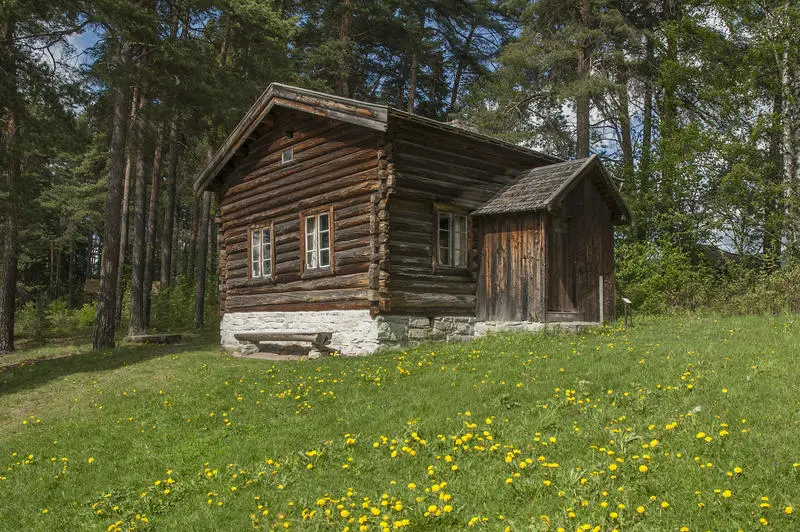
pixel 109 108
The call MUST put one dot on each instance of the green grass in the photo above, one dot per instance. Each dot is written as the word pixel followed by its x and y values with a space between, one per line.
pixel 98 439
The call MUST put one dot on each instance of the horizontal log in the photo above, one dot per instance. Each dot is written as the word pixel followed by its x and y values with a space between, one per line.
pixel 360 188
pixel 353 304
pixel 321 150
pixel 358 280
pixel 329 178
pixel 299 297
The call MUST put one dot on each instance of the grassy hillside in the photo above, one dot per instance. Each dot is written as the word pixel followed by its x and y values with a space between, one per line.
pixel 678 423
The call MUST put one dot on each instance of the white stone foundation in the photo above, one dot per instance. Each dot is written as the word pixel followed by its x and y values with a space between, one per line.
pixel 355 332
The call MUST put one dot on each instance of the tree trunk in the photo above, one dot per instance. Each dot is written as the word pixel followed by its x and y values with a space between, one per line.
pixel 8 283
pixel 460 66
pixel 647 118
pixel 123 245
pixel 412 83
pixel 175 270
pixel 8 286
pixel 172 176
pixel 343 79
pixel 191 249
pixel 71 277
pixel 582 97
pixel 790 122
pixel 105 324
pixel 152 219
pixel 202 252
pixel 626 142
pixel 137 321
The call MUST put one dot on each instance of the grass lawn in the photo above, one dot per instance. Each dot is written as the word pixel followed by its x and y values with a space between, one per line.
pixel 691 422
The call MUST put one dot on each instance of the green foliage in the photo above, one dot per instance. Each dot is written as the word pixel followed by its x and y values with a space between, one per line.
pixel 759 291
pixel 173 309
pixel 660 278
pixel 42 320
pixel 30 321
pixel 86 316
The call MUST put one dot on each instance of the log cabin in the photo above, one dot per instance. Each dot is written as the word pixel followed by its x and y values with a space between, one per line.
pixel 375 227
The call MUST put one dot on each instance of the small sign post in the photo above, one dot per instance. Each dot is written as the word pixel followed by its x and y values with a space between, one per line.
pixel 628 312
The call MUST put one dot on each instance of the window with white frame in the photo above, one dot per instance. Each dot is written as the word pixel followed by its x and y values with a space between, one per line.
pixel 261 253
pixel 452 237
pixel 317 227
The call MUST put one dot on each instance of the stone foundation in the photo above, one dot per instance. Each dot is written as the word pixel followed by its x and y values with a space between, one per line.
pixel 355 332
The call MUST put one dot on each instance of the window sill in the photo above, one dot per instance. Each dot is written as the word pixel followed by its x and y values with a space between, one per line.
pixel 316 272
pixel 452 270
pixel 261 281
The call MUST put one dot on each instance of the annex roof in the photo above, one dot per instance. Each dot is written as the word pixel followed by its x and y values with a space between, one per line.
pixel 370 115
pixel 544 187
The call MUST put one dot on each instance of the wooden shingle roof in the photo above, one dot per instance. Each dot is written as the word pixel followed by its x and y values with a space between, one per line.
pixel 544 187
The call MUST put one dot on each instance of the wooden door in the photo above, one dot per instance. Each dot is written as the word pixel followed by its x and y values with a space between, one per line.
pixel 509 281
pixel 561 286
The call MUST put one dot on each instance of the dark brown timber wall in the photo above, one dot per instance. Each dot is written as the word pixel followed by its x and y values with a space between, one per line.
pixel 592 240
pixel 511 268
pixel 334 164
pixel 429 167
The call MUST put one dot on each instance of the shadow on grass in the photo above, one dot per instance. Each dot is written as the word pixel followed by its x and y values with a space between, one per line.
pixel 33 373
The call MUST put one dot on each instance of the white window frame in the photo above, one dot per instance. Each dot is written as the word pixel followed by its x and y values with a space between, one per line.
pixel 317 257
pixel 456 253
pixel 261 252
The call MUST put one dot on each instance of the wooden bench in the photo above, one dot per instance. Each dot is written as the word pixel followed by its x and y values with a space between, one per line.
pixel 318 340
pixel 153 339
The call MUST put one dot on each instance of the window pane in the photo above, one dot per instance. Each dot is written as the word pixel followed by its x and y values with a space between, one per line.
pixel 444 221
pixel 460 244
pixel 324 240
pixel 266 253
pixel 310 226
pixel 254 248
pixel 324 258
pixel 444 248
pixel 324 222
pixel 311 259
pixel 255 251
pixel 444 239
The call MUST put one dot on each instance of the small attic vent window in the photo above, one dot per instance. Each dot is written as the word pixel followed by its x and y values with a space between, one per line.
pixel 287 156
